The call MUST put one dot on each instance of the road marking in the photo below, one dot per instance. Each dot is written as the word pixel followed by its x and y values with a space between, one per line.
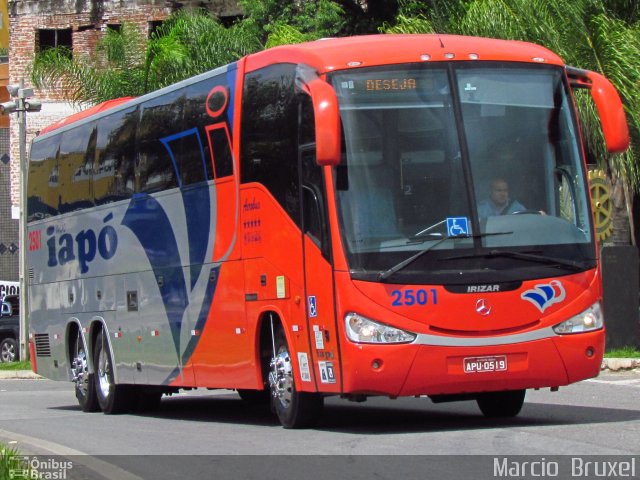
pixel 626 383
pixel 98 466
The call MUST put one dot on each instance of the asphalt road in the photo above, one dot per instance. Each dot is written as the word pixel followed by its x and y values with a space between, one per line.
pixel 202 432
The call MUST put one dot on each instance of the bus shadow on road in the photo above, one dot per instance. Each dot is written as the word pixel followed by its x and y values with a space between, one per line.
pixel 361 419
pixel 225 408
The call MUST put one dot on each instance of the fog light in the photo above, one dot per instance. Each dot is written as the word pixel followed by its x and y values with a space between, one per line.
pixel 590 352
pixel 376 364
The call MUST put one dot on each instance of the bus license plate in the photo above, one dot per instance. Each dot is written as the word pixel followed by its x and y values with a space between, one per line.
pixel 485 364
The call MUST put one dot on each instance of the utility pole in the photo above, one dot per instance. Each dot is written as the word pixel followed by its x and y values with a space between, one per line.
pixel 21 104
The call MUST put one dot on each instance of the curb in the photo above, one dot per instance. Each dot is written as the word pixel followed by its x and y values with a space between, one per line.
pixel 620 364
pixel 18 374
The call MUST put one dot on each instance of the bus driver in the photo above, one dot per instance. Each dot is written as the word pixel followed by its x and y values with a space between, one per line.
pixel 498 202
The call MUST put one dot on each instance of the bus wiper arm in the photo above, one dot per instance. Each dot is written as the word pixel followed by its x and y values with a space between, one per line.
pixel 523 256
pixel 396 268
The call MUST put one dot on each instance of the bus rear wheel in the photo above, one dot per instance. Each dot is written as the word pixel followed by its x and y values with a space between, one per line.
pixel 294 409
pixel 83 380
pixel 112 398
pixel 501 404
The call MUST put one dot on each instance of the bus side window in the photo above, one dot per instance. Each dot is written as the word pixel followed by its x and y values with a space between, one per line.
pixel 155 167
pixel 195 159
pixel 76 168
pixel 270 136
pixel 43 191
pixel 114 177
pixel 222 158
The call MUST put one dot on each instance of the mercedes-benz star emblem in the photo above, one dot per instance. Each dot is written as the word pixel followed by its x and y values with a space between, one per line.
pixel 483 307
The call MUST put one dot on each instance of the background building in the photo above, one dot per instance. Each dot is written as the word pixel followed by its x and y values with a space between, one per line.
pixel 9 258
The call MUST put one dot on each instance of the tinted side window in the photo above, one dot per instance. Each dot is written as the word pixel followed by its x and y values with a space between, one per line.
pixel 76 168
pixel 160 118
pixel 43 180
pixel 114 177
pixel 195 163
pixel 269 135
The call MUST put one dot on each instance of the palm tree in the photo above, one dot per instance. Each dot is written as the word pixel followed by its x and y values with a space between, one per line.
pixel 599 35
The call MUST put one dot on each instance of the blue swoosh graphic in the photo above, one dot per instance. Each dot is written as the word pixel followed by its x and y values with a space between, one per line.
pixel 148 221
pixel 536 297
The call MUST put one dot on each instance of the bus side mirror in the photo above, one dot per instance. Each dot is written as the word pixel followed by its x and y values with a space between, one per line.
pixel 609 105
pixel 327 118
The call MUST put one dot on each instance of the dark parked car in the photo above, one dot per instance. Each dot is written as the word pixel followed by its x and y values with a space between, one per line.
pixel 9 328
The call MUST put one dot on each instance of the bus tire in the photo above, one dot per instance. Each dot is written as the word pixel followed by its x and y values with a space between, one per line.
pixel 294 409
pixel 112 398
pixel 501 404
pixel 84 383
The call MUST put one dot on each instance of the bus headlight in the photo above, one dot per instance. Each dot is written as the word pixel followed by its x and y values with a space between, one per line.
pixel 590 319
pixel 364 330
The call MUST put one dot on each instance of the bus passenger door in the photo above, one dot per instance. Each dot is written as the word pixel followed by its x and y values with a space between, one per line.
pixel 318 272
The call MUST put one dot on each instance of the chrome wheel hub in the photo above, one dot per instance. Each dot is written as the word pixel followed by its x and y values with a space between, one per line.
pixel 281 378
pixel 79 371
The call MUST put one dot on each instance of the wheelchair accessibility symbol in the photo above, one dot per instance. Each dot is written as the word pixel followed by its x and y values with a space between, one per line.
pixel 313 309
pixel 457 226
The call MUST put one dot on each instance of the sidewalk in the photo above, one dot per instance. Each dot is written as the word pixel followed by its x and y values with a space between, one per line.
pixel 21 374
pixel 620 364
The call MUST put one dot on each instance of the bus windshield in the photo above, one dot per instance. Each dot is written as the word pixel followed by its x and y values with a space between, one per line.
pixel 475 164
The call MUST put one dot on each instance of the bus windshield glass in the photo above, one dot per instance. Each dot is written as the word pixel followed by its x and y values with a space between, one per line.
pixel 476 164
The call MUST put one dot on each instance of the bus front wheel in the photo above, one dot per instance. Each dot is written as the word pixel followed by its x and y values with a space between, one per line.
pixel 112 398
pixel 501 404
pixel 294 409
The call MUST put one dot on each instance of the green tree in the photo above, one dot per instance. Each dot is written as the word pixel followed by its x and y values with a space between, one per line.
pixel 281 22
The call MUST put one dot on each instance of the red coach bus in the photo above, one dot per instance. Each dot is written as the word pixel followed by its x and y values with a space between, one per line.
pixel 385 215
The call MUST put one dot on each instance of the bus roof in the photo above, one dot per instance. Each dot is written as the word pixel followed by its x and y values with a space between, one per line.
pixel 101 107
pixel 360 51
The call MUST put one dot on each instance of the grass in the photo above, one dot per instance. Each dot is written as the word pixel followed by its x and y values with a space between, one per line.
pixel 624 352
pixel 25 365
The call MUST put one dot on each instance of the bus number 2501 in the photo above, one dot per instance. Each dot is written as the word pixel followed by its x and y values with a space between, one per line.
pixel 410 297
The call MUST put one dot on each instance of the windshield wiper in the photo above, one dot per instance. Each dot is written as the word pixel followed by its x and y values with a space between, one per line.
pixel 523 256
pixel 396 268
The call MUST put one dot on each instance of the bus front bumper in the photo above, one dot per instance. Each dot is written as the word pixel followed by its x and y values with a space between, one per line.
pixel 412 369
